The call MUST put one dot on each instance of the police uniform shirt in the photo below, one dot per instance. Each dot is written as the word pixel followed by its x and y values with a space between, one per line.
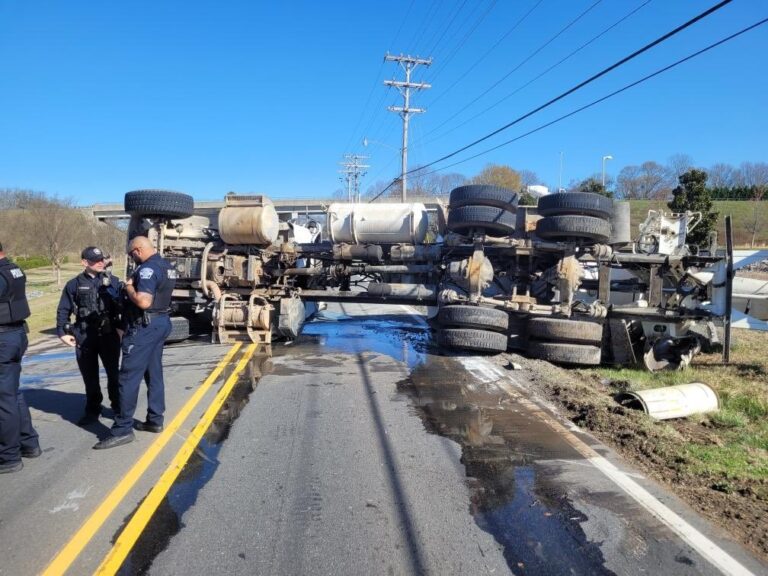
pixel 152 277
pixel 3 286
pixel 68 301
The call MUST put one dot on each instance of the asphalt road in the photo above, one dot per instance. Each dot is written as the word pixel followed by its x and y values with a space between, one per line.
pixel 357 449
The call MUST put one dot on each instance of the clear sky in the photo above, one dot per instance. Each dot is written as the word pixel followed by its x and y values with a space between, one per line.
pixel 98 98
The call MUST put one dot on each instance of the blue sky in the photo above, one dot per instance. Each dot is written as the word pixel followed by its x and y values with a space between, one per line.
pixel 98 98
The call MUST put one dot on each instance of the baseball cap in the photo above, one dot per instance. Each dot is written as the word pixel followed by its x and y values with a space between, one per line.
pixel 92 254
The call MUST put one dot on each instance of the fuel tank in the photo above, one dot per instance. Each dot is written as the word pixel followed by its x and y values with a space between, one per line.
pixel 377 223
pixel 248 220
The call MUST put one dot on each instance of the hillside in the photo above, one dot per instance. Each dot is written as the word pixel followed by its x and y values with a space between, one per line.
pixel 742 212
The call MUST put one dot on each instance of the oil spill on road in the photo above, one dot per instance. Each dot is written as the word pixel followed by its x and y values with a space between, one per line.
pixel 48 357
pixel 513 496
pixel 199 469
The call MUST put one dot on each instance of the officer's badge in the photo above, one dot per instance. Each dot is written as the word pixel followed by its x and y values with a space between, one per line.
pixel 145 273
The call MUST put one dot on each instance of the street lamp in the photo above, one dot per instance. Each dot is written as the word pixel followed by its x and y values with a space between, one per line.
pixel 607 157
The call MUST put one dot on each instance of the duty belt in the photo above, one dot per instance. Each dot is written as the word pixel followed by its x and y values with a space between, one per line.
pixel 12 327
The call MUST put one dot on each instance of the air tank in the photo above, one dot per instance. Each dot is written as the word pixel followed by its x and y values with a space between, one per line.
pixel 377 223
pixel 248 220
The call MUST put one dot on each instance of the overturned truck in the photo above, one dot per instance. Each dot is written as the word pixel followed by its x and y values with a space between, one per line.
pixel 564 281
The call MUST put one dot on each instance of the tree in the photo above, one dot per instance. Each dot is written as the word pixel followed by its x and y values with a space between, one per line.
pixel 592 184
pixel 721 175
pixel 499 175
pixel 755 176
pixel 55 226
pixel 679 164
pixel 693 195
pixel 648 181
pixel 528 178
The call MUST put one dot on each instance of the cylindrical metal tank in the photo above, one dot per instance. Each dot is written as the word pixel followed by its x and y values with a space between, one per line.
pixel 673 401
pixel 377 223
pixel 248 224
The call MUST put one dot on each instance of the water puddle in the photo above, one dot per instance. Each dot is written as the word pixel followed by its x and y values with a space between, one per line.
pixel 510 458
pixel 202 465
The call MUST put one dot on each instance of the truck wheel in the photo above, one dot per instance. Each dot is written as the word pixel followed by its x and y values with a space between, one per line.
pixel 179 329
pixel 472 340
pixel 560 353
pixel 473 317
pixel 484 195
pixel 161 203
pixel 564 330
pixel 584 203
pixel 488 218
pixel 574 227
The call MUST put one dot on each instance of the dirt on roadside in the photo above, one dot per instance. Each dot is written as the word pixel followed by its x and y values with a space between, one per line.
pixel 736 503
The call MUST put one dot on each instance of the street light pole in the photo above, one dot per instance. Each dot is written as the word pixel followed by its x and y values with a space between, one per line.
pixel 607 157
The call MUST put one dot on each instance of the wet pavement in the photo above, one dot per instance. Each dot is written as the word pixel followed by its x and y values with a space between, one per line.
pixel 360 448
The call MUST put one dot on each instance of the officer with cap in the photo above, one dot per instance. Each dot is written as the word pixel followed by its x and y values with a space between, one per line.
pixel 17 436
pixel 93 298
pixel 147 325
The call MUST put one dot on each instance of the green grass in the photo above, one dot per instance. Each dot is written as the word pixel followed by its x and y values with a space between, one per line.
pixel 731 444
pixel 743 213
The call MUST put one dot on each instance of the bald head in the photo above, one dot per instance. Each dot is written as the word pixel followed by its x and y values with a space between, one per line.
pixel 140 248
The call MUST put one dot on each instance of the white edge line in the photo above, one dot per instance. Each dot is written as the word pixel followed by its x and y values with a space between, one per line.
pixel 698 541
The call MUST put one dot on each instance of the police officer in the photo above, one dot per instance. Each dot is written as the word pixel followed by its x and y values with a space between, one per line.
pixel 93 298
pixel 17 436
pixel 147 325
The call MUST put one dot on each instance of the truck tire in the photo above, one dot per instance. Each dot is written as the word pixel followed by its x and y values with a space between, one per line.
pixel 584 203
pixel 564 330
pixel 574 227
pixel 488 218
pixel 472 340
pixel 458 316
pixel 561 353
pixel 179 329
pixel 162 203
pixel 484 195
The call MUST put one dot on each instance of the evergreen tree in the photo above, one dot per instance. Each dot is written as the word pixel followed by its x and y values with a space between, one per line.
pixel 692 195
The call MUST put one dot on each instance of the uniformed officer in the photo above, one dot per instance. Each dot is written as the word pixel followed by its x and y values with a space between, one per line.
pixel 147 325
pixel 17 436
pixel 93 298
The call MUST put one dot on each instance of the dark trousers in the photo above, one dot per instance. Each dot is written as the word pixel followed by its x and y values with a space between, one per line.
pixel 90 347
pixel 142 350
pixel 16 431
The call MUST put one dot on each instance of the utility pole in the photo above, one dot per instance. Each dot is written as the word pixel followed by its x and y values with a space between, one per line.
pixel 408 64
pixel 352 171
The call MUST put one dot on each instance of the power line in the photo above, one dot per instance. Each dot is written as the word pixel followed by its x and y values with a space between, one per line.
pixel 487 52
pixel 516 68
pixel 608 96
pixel 547 71
pixel 463 41
pixel 590 105
pixel 589 80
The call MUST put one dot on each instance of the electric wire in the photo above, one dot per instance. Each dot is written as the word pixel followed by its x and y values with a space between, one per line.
pixel 531 81
pixel 487 52
pixel 589 80
pixel 591 104
pixel 516 68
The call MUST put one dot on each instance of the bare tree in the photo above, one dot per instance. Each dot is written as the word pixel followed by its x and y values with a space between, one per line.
pixel 649 181
pixel 721 175
pixel 54 226
pixel 755 177
pixel 680 164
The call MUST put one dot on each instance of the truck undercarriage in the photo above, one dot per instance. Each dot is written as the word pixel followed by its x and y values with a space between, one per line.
pixel 564 281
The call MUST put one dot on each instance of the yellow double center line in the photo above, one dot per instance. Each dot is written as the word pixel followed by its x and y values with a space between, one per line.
pixel 91 526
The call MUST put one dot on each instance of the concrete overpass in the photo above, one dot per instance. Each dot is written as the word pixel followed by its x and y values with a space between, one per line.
pixel 284 206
